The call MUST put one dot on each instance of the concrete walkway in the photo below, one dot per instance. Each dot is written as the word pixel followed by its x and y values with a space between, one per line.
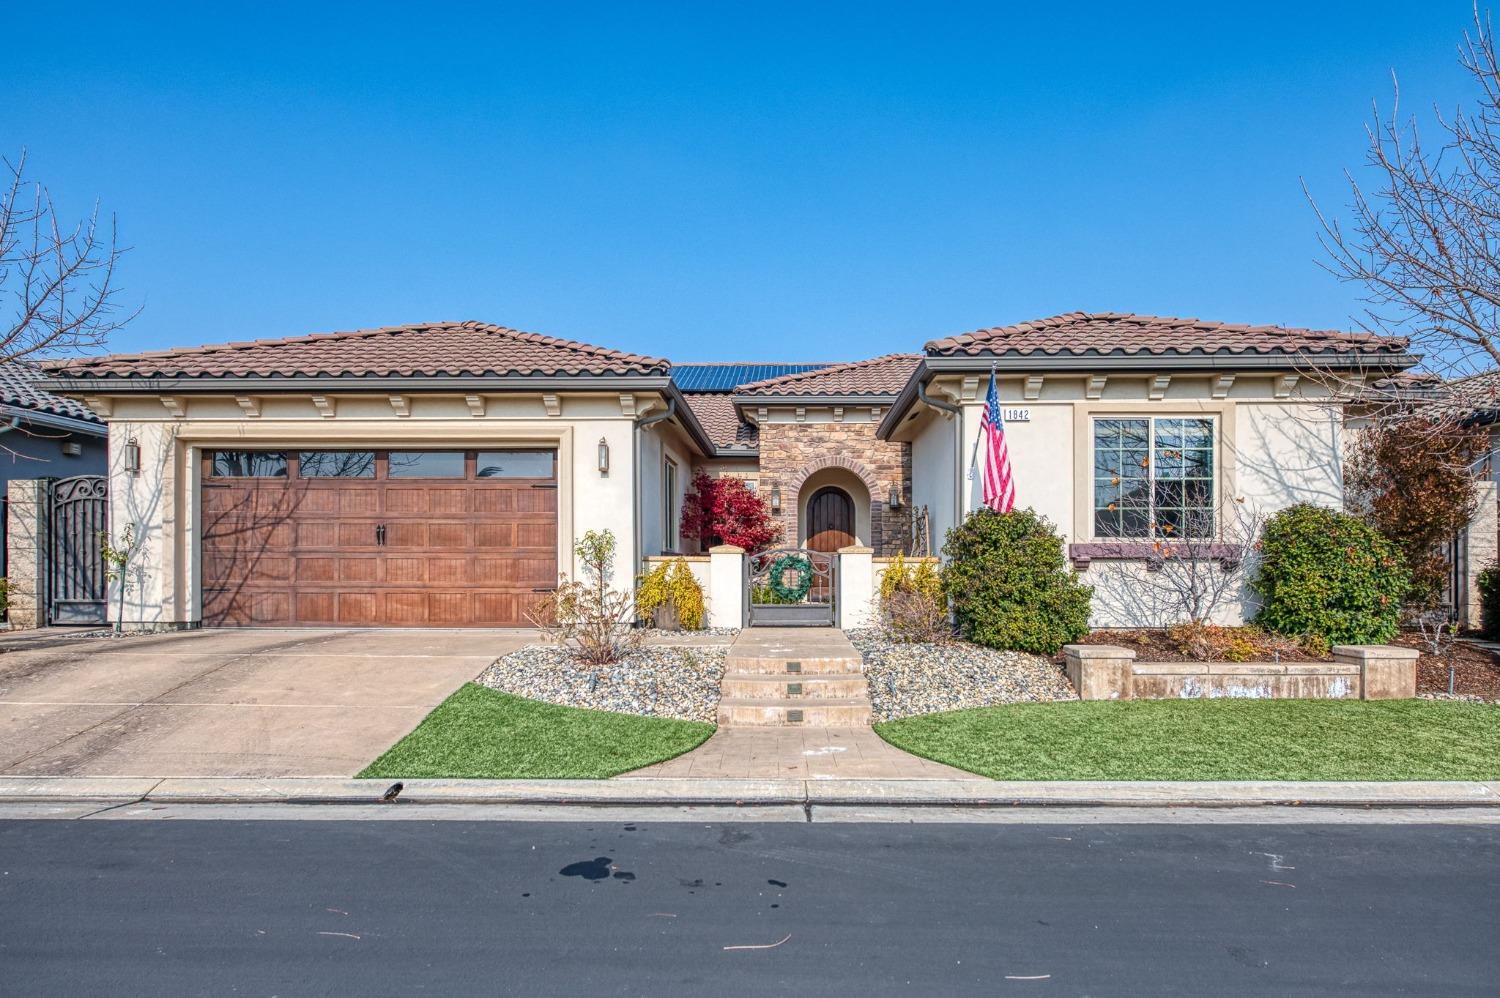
pixel 796 753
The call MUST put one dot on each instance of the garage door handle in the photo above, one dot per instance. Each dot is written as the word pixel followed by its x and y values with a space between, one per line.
pixel 545 589
pixel 380 534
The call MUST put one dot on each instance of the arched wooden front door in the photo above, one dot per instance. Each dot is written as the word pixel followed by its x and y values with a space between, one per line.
pixel 830 520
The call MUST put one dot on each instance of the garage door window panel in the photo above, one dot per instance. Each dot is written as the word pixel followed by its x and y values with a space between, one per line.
pixel 248 464
pixel 514 464
pixel 427 464
pixel 336 464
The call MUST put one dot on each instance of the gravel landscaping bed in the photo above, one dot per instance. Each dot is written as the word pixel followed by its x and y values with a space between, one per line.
pixel 910 679
pixel 655 681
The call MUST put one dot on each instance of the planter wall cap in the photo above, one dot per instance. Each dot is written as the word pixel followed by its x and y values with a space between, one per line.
pixel 1369 653
pixel 910 559
pixel 856 549
pixel 726 549
pixel 1097 651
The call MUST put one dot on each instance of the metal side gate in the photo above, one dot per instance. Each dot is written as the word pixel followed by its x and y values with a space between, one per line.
pixel 791 587
pixel 77 585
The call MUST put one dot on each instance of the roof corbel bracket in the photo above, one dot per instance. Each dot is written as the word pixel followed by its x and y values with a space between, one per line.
pixel 475 404
pixel 553 404
pixel 174 405
pixel 1095 388
pixel 801 414
pixel 1222 384
pixel 627 406
pixel 970 390
pixel 838 414
pixel 249 405
pixel 401 405
pixel 325 406
pixel 762 414
pixel 102 407
pixel 1285 384
pixel 875 413
pixel 1159 386
pixel 1034 387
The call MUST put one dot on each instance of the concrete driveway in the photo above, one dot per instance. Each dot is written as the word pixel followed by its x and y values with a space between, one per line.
pixel 226 702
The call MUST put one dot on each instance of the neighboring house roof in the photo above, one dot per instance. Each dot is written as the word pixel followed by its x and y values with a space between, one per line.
pixel 1124 333
pixel 442 348
pixel 720 419
pixel 18 388
pixel 727 377
pixel 879 377
pixel 1478 394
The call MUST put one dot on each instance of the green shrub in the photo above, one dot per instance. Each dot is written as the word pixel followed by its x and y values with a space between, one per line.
pixel 1010 585
pixel 4 595
pixel 1329 576
pixel 1489 602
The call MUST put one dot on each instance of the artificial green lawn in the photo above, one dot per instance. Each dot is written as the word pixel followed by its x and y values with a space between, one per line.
pixel 480 733
pixel 1212 740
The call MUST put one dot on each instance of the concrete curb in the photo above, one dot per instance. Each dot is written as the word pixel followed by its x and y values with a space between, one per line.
pixel 639 791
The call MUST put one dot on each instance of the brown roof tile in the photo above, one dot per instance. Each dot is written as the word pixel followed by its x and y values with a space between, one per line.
pixel 442 348
pixel 878 376
pixel 1123 333
pixel 720 419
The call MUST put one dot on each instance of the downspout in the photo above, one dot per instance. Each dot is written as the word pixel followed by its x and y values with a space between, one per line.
pixel 635 487
pixel 958 447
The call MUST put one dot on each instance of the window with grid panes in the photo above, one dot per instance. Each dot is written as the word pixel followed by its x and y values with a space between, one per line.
pixel 1154 477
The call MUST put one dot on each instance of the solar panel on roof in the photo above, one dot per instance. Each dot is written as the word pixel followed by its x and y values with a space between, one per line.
pixel 727 377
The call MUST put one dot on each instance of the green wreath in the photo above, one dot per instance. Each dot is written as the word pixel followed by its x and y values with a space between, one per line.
pixel 785 564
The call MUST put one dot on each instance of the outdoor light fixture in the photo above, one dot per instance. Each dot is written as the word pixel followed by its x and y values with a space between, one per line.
pixel 133 457
pixel 895 502
pixel 775 497
pixel 603 456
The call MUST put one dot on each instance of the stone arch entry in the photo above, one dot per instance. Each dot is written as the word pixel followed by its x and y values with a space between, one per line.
pixel 795 528
pixel 830 520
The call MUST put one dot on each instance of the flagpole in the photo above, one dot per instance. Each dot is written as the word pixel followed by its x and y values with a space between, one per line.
pixel 974 454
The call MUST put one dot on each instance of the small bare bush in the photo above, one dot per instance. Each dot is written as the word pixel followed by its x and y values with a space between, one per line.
pixel 912 603
pixel 586 617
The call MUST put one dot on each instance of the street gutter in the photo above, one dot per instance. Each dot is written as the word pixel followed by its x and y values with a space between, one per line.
pixel 645 792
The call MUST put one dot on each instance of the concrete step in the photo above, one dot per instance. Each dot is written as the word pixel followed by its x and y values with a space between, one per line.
pixel 766 665
pixel 832 712
pixel 814 686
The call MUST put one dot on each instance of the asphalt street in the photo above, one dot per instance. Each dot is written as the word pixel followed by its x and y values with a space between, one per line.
pixel 618 908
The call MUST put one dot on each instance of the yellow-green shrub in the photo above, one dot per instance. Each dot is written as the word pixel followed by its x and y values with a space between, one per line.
pixel 671 584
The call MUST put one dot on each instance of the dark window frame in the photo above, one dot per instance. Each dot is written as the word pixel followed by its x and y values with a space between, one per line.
pixel 1162 506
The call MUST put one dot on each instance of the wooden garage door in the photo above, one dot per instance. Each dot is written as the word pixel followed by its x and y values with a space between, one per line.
pixel 377 538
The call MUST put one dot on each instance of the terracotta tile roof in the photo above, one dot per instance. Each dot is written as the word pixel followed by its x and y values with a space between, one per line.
pixel 1123 333
pixel 18 387
pixel 878 376
pixel 1478 394
pixel 720 419
pixel 442 348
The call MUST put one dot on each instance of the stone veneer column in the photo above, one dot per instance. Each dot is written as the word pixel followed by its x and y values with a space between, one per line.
pixel 26 564
pixel 726 586
pixel 1481 540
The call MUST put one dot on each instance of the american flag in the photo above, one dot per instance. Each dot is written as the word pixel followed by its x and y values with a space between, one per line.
pixel 999 490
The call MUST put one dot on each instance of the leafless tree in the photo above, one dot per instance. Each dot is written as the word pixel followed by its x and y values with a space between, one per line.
pixel 1194 570
pixel 58 294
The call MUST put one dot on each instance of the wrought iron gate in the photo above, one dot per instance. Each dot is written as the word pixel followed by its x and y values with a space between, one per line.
pixel 791 587
pixel 77 585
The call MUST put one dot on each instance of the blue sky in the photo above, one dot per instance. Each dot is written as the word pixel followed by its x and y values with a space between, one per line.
pixel 707 181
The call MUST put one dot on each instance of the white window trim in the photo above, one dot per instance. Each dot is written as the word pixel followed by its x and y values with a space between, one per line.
pixel 1216 479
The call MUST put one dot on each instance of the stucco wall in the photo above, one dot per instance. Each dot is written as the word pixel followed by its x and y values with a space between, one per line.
pixel 934 470
pixel 162 500
pixel 1273 452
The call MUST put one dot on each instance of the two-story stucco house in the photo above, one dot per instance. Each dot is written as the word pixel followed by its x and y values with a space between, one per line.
pixel 438 475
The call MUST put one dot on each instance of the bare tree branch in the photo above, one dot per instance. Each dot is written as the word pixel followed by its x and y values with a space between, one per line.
pixel 58 294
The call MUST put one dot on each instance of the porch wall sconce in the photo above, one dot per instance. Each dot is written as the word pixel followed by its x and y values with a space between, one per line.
pixel 133 457
pixel 603 456
pixel 895 500
pixel 775 497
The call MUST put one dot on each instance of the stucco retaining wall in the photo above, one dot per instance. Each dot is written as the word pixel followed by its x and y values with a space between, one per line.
pixel 1357 672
